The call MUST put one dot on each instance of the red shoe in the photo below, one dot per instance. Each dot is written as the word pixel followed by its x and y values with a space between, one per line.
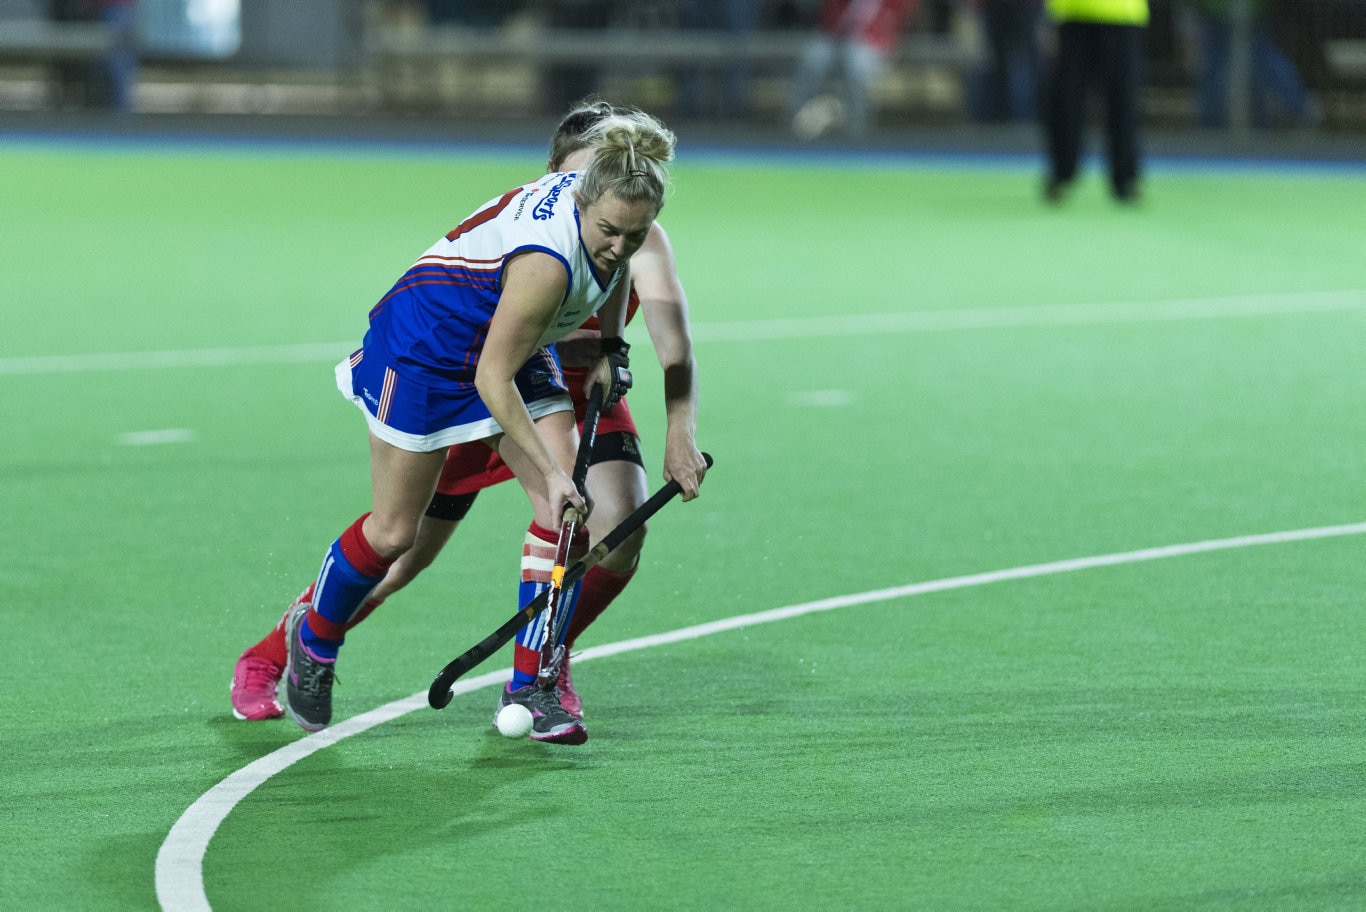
pixel 255 683
pixel 569 697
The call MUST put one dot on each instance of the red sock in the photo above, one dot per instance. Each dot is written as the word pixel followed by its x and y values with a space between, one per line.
pixel 363 612
pixel 273 646
pixel 600 587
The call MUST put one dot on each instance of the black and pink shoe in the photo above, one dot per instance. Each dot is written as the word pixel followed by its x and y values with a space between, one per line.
pixel 550 722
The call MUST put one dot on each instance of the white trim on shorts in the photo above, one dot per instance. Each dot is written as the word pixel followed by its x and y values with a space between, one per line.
pixel 460 433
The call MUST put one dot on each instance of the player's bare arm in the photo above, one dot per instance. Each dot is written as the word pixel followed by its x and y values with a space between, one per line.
pixel 580 349
pixel 612 314
pixel 611 324
pixel 534 285
pixel 665 307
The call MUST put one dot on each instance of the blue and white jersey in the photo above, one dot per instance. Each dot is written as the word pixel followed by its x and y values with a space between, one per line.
pixel 432 324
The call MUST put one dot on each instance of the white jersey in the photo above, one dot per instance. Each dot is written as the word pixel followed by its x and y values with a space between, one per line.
pixel 433 322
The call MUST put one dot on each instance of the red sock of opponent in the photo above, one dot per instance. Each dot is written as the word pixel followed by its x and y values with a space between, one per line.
pixel 273 646
pixel 600 587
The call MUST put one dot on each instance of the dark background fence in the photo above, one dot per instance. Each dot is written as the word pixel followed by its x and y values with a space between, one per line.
pixel 709 60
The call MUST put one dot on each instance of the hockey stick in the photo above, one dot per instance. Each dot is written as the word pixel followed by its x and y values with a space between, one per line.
pixel 440 692
pixel 550 646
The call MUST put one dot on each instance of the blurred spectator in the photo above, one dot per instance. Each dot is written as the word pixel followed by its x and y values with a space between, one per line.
pixel 1098 42
pixel 109 83
pixel 565 84
pixel 858 36
pixel 697 94
pixel 484 13
pixel 1009 85
pixel 72 80
pixel 1277 91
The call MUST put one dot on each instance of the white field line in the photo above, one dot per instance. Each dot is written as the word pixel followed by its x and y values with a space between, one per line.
pixel 155 438
pixel 189 357
pixel 179 864
pixel 977 318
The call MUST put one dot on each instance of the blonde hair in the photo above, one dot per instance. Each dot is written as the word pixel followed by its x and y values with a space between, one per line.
pixel 632 152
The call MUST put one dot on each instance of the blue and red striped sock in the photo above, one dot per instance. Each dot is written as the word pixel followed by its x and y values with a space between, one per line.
pixel 349 572
pixel 538 562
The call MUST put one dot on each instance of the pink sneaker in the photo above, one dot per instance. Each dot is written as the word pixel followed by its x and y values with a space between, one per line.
pixel 255 682
pixel 569 697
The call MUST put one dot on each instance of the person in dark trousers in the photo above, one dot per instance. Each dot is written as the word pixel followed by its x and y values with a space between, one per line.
pixel 1098 43
pixel 1009 89
pixel 1277 88
pixel 109 82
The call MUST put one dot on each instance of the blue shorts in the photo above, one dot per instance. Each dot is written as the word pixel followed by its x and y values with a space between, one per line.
pixel 424 417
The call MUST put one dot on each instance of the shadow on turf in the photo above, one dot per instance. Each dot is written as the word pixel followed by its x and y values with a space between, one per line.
pixel 249 741
pixel 376 805
pixel 117 870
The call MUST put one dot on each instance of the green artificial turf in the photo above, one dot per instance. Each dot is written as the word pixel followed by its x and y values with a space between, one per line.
pixel 909 373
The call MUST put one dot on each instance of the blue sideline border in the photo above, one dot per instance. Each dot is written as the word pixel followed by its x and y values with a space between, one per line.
pixel 925 148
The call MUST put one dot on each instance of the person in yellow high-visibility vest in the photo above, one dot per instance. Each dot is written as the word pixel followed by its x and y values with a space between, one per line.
pixel 1098 42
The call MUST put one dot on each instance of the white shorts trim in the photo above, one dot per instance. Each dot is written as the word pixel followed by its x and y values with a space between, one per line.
pixel 461 433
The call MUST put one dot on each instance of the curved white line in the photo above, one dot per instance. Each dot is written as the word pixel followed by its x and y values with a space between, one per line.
pixel 179 864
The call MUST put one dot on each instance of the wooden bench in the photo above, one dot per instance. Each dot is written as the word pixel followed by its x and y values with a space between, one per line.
pixel 405 64
pixel 1346 58
pixel 37 41
pixel 618 46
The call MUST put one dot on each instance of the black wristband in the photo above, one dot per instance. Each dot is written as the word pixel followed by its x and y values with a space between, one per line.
pixel 614 345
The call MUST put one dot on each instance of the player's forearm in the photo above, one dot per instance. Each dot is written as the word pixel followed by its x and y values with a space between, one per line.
pixel 612 314
pixel 680 399
pixel 505 404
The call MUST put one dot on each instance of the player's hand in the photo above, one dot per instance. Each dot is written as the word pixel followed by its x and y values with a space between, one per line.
pixel 613 371
pixel 684 464
pixel 610 381
pixel 563 496
pixel 589 502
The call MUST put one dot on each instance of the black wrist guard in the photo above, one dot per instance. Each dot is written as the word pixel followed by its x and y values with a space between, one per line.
pixel 616 353
pixel 614 345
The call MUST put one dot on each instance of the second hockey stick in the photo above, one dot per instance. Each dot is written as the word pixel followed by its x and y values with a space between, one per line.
pixel 439 694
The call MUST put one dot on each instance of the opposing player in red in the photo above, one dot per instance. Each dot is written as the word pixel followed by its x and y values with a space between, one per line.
pixel 617 479
pixel 855 38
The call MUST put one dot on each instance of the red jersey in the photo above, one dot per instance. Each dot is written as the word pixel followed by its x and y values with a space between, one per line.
pixel 876 23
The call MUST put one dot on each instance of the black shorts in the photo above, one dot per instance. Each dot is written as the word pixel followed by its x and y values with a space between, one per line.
pixel 618 446
pixel 615 446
